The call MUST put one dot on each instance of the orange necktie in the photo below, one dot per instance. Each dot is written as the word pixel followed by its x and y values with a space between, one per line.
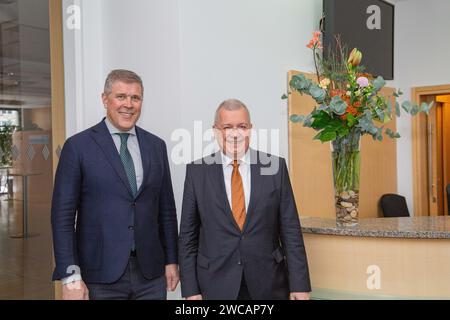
pixel 237 196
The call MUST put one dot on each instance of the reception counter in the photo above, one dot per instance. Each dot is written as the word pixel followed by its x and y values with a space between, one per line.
pixel 383 258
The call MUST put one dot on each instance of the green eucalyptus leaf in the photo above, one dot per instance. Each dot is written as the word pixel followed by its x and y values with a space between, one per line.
pixel 391 134
pixel 300 83
pixel 380 114
pixel 307 122
pixel 415 109
pixel 324 107
pixel 317 93
pixel 407 106
pixel 296 118
pixel 397 109
pixel 366 123
pixel 379 135
pixel 338 106
pixel 425 107
pixel 389 107
pixel 378 83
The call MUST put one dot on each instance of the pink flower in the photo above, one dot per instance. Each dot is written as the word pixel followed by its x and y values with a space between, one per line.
pixel 362 82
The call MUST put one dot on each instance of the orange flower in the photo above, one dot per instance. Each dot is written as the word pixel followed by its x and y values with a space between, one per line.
pixel 349 110
pixel 315 41
pixel 337 92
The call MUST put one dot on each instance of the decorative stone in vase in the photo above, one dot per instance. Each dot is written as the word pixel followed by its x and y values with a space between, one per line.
pixel 346 158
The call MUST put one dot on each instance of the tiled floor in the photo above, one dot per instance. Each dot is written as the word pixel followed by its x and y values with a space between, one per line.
pixel 25 264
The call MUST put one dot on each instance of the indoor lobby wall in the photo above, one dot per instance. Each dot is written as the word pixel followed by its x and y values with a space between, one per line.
pixel 421 49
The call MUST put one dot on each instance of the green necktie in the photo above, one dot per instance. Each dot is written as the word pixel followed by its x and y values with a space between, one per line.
pixel 127 162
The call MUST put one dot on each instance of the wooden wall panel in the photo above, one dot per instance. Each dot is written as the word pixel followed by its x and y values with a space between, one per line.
pixel 57 75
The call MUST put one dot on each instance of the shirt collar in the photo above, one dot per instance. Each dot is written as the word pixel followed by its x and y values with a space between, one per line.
pixel 227 161
pixel 113 130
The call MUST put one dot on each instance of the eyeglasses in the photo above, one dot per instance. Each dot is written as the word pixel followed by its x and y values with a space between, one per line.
pixel 241 129
pixel 123 97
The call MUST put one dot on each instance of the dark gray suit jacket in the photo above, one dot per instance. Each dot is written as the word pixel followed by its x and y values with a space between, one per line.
pixel 214 253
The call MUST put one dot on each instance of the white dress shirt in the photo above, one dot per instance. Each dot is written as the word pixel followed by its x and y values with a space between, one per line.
pixel 244 170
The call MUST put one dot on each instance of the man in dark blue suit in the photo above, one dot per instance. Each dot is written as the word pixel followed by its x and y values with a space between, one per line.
pixel 113 211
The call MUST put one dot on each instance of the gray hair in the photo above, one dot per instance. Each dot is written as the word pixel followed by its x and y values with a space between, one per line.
pixel 231 105
pixel 122 75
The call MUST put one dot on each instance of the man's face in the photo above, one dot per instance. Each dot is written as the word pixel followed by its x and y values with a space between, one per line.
pixel 233 132
pixel 123 105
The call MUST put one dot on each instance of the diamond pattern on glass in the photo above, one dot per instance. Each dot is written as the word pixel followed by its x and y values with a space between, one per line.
pixel 58 151
pixel 45 152
pixel 30 152
pixel 15 152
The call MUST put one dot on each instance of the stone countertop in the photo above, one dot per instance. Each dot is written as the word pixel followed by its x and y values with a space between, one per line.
pixel 405 227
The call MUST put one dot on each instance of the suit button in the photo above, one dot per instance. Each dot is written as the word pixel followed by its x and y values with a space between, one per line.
pixel 131 228
pixel 133 204
pixel 240 262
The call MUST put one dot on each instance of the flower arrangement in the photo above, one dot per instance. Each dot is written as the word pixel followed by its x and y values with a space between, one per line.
pixel 349 105
pixel 348 99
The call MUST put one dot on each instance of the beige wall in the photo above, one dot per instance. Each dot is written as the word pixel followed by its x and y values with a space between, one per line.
pixel 409 268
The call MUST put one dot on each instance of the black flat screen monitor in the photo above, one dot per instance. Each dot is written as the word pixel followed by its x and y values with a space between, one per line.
pixel 367 25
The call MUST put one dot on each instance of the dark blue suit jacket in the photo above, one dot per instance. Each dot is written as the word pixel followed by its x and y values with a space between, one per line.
pixel 92 192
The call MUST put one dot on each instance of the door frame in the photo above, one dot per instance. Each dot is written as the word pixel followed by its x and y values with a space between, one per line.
pixel 57 88
pixel 420 173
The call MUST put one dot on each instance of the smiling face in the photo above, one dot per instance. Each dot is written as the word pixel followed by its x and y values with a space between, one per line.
pixel 123 104
pixel 233 132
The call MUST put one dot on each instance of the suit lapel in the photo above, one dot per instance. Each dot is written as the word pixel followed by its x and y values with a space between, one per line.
pixel 145 156
pixel 255 182
pixel 104 140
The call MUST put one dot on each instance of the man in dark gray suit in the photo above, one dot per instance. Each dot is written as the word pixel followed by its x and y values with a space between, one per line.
pixel 240 234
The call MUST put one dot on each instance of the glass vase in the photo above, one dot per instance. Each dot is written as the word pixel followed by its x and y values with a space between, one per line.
pixel 346 158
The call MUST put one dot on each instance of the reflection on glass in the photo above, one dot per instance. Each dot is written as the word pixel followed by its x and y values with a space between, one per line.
pixel 25 144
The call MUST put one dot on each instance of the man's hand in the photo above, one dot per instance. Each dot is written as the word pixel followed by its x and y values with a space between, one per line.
pixel 172 276
pixel 75 291
pixel 299 296
pixel 196 297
